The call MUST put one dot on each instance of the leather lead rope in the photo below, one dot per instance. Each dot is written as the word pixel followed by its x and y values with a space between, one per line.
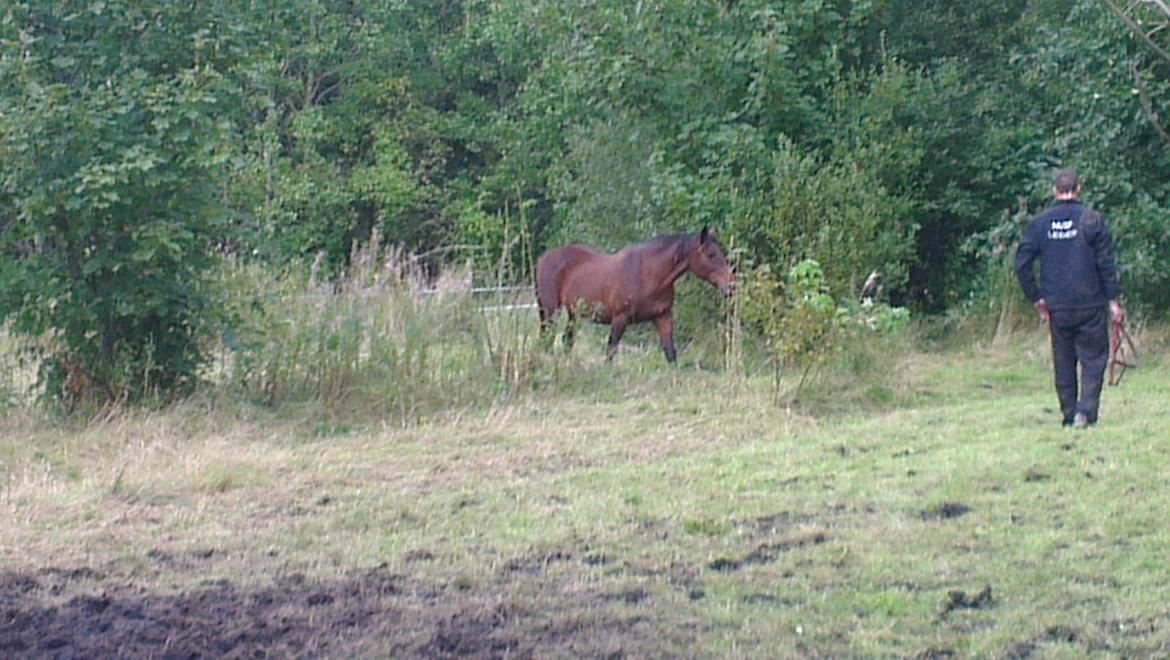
pixel 1122 352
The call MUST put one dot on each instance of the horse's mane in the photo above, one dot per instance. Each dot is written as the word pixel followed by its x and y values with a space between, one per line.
pixel 679 242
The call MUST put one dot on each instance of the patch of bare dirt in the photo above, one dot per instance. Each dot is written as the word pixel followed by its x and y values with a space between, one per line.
pixel 961 600
pixel 291 617
pixel 1053 634
pixel 946 511
pixel 76 613
pixel 768 552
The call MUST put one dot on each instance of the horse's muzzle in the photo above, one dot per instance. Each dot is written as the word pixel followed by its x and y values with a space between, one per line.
pixel 727 289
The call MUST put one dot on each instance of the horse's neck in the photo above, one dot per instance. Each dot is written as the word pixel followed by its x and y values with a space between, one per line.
pixel 682 262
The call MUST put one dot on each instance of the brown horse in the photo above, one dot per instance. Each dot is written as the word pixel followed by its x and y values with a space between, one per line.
pixel 636 285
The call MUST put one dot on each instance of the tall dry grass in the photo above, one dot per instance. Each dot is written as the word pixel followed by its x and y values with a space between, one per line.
pixel 383 338
pixel 18 377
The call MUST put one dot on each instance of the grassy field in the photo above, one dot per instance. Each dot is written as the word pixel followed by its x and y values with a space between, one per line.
pixel 635 510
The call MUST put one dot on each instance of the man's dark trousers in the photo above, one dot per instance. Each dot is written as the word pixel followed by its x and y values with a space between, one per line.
pixel 1080 334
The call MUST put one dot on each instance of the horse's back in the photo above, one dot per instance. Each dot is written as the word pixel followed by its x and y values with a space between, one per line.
pixel 556 263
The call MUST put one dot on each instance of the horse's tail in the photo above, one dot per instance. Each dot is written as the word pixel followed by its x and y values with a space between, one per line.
pixel 548 277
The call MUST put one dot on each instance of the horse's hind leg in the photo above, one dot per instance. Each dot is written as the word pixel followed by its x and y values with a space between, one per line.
pixel 547 302
pixel 547 317
pixel 570 329
pixel 617 327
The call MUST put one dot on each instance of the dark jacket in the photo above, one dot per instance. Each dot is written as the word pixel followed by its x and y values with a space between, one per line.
pixel 1077 266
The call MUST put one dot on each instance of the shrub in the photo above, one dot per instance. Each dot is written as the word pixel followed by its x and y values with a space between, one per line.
pixel 381 338
pixel 836 214
pixel 802 324
pixel 107 213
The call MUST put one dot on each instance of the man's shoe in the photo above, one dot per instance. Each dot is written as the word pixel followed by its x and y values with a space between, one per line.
pixel 1080 421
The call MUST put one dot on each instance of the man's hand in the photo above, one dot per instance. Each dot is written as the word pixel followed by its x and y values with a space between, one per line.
pixel 1116 310
pixel 1042 309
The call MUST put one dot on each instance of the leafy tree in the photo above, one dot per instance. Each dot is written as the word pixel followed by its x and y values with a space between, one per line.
pixel 108 212
pixel 1093 83
pixel 1148 22
pixel 835 213
pixel 318 161
pixel 700 91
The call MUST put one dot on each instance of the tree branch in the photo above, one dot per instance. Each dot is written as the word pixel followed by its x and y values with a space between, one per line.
pixel 1161 4
pixel 1148 105
pixel 1137 29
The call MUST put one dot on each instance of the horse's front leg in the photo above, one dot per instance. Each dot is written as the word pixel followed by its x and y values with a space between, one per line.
pixel 665 325
pixel 616 328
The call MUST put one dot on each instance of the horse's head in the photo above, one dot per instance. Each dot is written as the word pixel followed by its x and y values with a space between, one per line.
pixel 708 262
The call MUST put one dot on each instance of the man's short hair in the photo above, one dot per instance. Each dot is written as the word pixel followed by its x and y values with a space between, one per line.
pixel 1067 181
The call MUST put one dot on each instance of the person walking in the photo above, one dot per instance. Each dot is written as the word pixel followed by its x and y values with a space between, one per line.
pixel 1078 283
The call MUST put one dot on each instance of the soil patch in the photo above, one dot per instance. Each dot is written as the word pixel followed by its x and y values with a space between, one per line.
pixel 69 613
pixel 960 600
pixel 946 511
pixel 768 552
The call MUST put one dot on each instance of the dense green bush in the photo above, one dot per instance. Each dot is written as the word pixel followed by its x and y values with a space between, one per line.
pixel 108 139
pixel 838 214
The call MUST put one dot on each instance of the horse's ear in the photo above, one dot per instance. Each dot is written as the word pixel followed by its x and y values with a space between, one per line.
pixel 704 235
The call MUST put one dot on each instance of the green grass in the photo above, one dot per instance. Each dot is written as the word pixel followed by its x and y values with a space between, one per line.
pixel 654 510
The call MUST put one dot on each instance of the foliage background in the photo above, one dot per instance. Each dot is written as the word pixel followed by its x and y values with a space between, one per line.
pixel 143 141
